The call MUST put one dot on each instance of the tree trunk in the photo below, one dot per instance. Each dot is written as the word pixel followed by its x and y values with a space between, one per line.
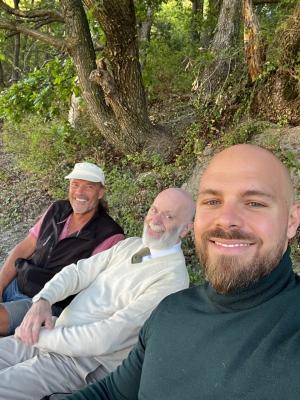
pixel 145 35
pixel 252 45
pixel 196 20
pixel 16 58
pixel 80 47
pixel 145 26
pixel 224 50
pixel 210 18
pixel 2 82
pixel 119 75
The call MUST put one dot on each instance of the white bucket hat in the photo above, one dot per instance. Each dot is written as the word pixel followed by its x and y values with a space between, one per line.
pixel 88 172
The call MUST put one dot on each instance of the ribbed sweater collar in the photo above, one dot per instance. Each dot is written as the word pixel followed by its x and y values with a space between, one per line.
pixel 280 278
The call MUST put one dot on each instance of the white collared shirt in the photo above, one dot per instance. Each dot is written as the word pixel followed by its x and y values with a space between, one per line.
pixel 163 252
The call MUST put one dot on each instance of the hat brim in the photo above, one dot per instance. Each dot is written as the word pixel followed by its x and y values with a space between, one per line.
pixel 85 177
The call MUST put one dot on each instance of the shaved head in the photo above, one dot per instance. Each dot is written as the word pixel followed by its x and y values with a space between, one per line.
pixel 183 199
pixel 266 161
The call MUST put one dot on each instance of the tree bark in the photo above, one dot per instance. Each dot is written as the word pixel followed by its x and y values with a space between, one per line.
pixel 223 48
pixel 196 20
pixel 2 82
pixel 252 44
pixel 145 36
pixel 16 58
pixel 80 47
pixel 145 26
pixel 210 20
pixel 119 75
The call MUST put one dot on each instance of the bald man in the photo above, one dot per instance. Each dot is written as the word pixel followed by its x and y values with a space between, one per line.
pixel 237 337
pixel 116 290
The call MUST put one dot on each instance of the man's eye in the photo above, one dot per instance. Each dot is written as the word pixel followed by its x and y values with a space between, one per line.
pixel 212 202
pixel 255 204
pixel 168 216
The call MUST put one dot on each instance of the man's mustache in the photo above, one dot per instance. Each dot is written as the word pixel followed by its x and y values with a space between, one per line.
pixel 219 233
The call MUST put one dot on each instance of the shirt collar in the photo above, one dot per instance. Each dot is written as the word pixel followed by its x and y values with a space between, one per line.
pixel 163 252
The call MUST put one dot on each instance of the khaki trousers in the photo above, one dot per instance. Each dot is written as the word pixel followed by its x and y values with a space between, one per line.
pixel 27 373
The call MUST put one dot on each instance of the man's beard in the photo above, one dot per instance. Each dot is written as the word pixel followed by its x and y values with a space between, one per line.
pixel 168 239
pixel 228 273
pixel 84 207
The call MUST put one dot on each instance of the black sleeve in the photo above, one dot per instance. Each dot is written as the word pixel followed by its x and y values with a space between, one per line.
pixel 123 383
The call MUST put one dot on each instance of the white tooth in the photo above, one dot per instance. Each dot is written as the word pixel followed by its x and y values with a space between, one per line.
pixel 233 245
pixel 156 228
pixel 82 200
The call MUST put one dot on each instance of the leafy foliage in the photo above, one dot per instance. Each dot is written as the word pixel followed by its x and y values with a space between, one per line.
pixel 45 92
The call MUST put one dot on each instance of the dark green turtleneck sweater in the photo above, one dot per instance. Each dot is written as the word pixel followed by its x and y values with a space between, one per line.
pixel 199 345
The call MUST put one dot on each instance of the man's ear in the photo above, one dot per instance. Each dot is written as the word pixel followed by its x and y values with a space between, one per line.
pixel 186 229
pixel 294 221
pixel 101 192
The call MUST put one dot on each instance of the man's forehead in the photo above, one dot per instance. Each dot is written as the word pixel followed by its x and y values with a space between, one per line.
pixel 244 183
pixel 169 202
pixel 165 206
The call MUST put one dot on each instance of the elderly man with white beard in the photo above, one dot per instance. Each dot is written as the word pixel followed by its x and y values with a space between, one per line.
pixel 116 290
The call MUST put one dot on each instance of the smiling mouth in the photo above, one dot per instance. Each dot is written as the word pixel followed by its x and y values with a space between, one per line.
pixel 230 245
pixel 156 228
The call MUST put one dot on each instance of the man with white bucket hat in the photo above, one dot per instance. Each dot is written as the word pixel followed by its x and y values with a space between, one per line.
pixel 68 231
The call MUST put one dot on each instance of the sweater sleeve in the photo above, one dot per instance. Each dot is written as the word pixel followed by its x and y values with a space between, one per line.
pixel 124 382
pixel 117 332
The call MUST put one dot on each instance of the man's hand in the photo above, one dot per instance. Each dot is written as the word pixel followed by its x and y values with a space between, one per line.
pixel 39 314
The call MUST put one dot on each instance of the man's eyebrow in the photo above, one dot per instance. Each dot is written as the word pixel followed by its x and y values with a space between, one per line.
pixel 252 192
pixel 209 192
pixel 259 193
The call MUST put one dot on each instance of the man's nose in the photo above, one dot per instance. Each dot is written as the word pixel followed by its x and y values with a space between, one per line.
pixel 80 190
pixel 157 219
pixel 229 216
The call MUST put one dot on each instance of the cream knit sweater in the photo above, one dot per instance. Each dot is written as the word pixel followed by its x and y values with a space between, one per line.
pixel 114 299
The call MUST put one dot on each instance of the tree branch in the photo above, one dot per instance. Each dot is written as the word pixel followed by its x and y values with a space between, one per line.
pixel 52 41
pixel 44 21
pixel 35 14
